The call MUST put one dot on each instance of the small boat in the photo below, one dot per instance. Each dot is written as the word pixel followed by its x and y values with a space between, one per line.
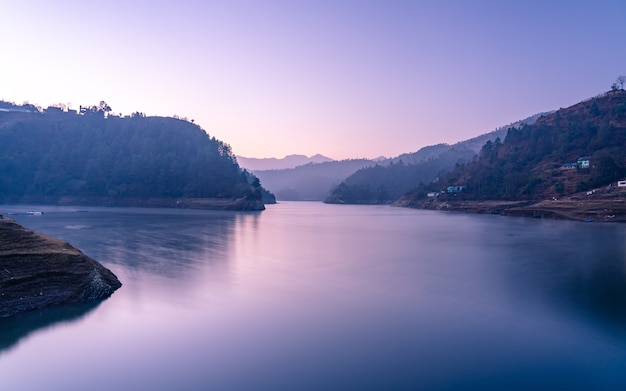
pixel 34 213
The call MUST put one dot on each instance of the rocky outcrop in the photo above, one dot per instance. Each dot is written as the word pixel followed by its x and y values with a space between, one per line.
pixel 37 271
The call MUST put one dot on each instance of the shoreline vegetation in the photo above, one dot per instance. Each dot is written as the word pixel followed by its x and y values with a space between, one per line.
pixel 235 204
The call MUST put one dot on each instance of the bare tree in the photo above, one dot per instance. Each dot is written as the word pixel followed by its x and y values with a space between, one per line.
pixel 619 83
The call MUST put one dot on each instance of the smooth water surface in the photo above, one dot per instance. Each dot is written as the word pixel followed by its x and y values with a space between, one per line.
pixel 307 296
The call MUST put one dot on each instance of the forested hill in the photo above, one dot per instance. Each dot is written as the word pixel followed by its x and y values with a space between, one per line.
pixel 91 158
pixel 386 181
pixel 382 184
pixel 575 149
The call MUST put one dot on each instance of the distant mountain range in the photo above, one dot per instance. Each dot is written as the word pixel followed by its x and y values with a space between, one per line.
pixel 290 161
pixel 380 180
pixel 386 181
pixel 309 182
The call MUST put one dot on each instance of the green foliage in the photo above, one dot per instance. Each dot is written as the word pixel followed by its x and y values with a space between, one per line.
pixel 527 164
pixel 45 157
pixel 384 184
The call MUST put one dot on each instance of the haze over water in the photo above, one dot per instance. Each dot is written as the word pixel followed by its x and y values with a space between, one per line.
pixel 307 296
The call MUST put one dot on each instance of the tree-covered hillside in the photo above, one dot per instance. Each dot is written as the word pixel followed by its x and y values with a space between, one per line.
pixel 45 156
pixel 574 149
pixel 389 179
pixel 382 184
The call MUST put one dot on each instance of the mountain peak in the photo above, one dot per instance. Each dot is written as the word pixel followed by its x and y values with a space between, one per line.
pixel 289 161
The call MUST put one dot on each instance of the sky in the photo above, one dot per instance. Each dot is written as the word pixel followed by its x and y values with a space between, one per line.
pixel 343 78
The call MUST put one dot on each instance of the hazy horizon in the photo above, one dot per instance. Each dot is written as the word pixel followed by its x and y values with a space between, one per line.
pixel 343 79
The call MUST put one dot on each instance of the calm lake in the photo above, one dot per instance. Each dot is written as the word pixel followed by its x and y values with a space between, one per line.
pixel 307 296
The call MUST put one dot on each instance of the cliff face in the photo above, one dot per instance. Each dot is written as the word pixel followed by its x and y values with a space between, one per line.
pixel 37 271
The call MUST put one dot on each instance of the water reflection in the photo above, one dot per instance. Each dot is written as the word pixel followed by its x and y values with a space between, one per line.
pixel 18 327
pixel 134 239
pixel 575 268
pixel 177 258
pixel 314 296
pixel 174 257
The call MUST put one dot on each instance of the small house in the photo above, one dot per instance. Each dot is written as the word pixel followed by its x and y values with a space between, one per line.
pixel 454 189
pixel 583 162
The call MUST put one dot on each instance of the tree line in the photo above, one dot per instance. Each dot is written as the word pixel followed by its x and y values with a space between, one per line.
pixel 46 156
pixel 382 184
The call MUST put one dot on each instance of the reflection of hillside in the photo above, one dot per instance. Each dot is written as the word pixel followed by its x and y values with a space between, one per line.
pixel 599 290
pixel 587 280
pixel 169 243
pixel 15 328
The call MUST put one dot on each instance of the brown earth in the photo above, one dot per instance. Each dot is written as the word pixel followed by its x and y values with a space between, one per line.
pixel 582 210
pixel 37 271
pixel 604 205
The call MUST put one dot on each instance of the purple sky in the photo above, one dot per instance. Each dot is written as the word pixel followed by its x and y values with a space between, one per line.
pixel 346 79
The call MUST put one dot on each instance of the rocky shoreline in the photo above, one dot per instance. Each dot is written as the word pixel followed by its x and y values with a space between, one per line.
pixel 577 207
pixel 37 271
